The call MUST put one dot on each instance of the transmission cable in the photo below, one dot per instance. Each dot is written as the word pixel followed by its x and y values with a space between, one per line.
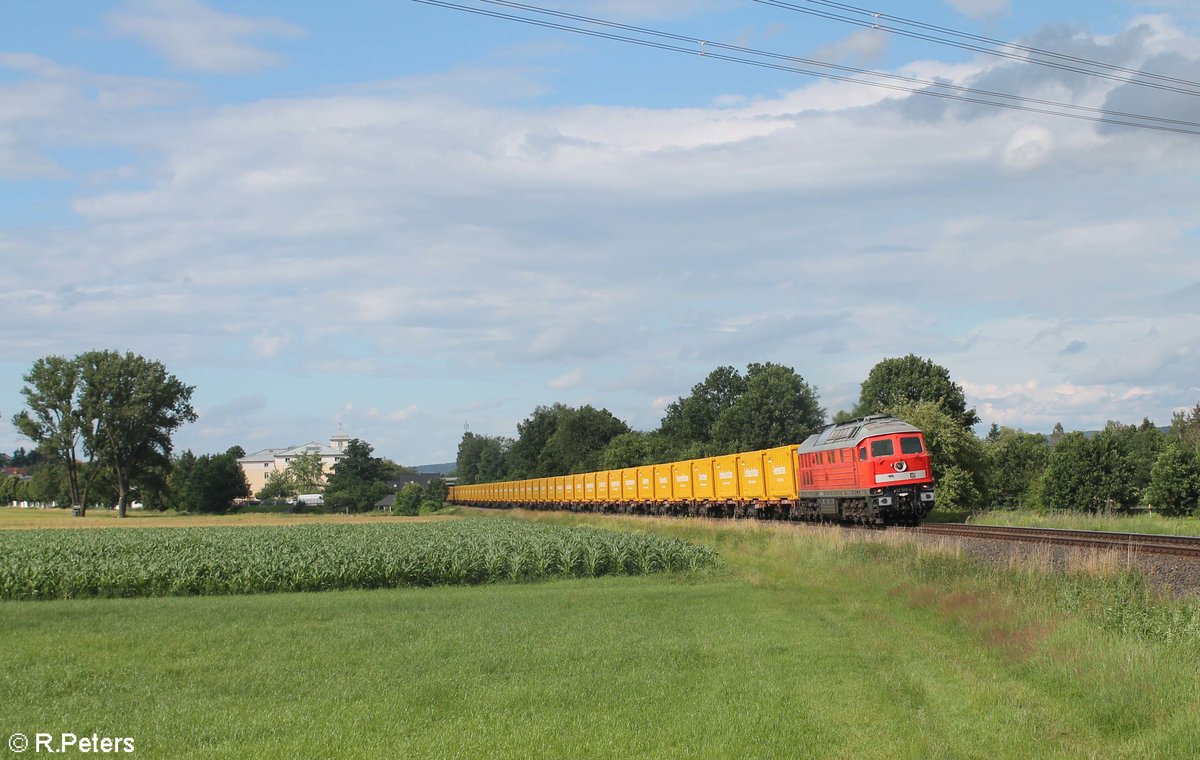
pixel 1177 126
pixel 835 66
pixel 994 41
pixel 1190 88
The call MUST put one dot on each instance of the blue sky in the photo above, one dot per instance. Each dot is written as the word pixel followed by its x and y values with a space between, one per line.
pixel 404 219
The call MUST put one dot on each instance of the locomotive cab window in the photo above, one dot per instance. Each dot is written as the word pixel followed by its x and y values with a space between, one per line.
pixel 862 454
pixel 910 445
pixel 882 448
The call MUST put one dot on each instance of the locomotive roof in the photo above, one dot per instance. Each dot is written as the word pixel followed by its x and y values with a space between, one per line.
pixel 845 434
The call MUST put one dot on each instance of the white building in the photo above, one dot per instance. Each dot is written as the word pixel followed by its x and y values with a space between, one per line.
pixel 259 465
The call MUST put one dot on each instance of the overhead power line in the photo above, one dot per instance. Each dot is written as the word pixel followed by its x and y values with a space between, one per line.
pixel 776 61
pixel 995 47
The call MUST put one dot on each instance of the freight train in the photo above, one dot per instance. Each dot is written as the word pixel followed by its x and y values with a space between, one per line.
pixel 871 470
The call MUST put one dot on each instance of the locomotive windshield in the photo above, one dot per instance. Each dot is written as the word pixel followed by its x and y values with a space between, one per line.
pixel 882 448
pixel 910 445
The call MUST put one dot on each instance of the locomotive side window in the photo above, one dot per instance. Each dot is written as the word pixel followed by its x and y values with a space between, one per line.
pixel 910 445
pixel 882 448
pixel 862 454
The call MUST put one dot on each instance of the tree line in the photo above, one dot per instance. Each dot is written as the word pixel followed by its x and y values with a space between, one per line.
pixel 104 414
pixel 103 422
pixel 1119 468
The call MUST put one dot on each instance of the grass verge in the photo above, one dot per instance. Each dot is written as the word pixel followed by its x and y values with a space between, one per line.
pixel 1136 523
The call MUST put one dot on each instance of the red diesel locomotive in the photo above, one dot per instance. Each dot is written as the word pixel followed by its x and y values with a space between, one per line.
pixel 870 470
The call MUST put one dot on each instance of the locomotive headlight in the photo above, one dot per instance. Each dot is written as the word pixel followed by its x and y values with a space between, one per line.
pixel 900 466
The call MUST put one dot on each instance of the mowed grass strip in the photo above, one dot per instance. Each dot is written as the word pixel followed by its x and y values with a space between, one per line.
pixel 57 564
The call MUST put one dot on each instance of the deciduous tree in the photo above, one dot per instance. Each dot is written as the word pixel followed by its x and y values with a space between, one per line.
pixel 306 472
pixel 1185 427
pixel 53 419
pixel 131 406
pixel 956 455
pixel 527 456
pixel 690 419
pixel 1088 475
pixel 357 481
pixel 208 483
pixel 408 501
pixel 911 378
pixel 634 449
pixel 580 438
pixel 1015 462
pixel 777 408
pixel 277 486
pixel 1175 481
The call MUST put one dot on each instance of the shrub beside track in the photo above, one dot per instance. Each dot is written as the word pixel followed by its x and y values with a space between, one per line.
pixel 57 564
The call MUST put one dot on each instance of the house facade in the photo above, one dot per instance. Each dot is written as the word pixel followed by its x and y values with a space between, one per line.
pixel 259 465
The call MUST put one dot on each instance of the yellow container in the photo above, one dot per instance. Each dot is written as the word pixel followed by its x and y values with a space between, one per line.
pixel 577 483
pixel 751 483
pixel 602 486
pixel 645 483
pixel 560 488
pixel 681 481
pixel 629 484
pixel 662 482
pixel 589 486
pixel 702 479
pixel 614 485
pixel 725 471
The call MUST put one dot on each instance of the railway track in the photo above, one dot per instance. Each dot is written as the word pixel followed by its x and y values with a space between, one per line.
pixel 1147 543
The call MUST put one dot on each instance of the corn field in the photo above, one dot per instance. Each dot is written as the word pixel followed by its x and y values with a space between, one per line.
pixel 66 564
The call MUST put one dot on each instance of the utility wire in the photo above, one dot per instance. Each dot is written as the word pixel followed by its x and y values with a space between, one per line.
pixel 1191 88
pixel 703 47
pixel 837 67
pixel 994 41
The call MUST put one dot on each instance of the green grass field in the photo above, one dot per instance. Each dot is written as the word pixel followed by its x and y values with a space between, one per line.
pixel 1135 523
pixel 811 644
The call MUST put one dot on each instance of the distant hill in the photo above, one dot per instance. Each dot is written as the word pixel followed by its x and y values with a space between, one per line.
pixel 435 469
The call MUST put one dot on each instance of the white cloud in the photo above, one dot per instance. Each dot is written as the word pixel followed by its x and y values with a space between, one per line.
pixel 1028 148
pixel 980 9
pixel 266 346
pixel 568 380
pixel 405 414
pixel 862 47
pixel 640 9
pixel 195 37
